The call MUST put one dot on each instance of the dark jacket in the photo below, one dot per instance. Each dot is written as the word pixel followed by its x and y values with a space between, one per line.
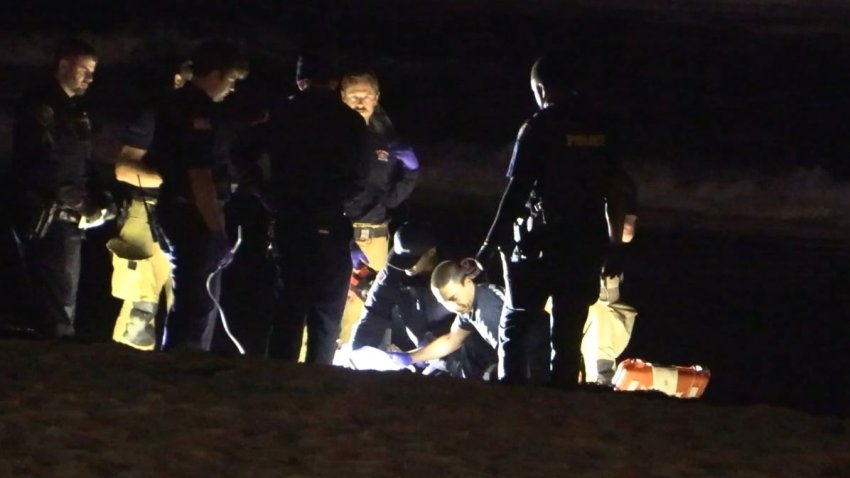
pixel 317 148
pixel 388 182
pixel 563 173
pixel 52 149
pixel 190 134
pixel 399 302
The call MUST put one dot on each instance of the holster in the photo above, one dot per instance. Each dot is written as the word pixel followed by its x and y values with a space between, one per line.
pixel 529 238
pixel 42 221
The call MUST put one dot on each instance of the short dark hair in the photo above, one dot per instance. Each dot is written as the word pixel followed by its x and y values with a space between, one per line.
pixel 71 48
pixel 554 71
pixel 317 64
pixel 221 55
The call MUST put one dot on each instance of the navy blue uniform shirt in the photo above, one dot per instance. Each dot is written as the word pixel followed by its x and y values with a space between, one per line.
pixel 189 135
pixel 52 145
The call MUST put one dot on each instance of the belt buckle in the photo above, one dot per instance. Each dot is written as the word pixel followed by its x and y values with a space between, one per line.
pixel 364 234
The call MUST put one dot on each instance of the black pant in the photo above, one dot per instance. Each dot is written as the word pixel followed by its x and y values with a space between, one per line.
pixel 249 284
pixel 314 263
pixel 191 320
pixel 53 266
pixel 573 284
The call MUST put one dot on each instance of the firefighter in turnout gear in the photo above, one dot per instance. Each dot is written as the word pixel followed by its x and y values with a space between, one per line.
pixel 392 171
pixel 141 269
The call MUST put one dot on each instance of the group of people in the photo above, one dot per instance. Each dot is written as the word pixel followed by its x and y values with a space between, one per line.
pixel 328 168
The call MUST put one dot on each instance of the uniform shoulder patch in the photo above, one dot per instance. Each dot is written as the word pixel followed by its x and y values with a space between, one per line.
pixel 201 124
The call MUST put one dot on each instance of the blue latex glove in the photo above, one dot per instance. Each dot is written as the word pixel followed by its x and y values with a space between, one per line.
pixel 402 359
pixel 358 258
pixel 220 250
pixel 407 157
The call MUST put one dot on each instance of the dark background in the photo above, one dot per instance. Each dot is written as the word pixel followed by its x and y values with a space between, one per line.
pixel 733 87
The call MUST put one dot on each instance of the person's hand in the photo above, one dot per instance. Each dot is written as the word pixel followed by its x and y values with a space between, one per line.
pixel 614 261
pixel 220 250
pixel 402 359
pixel 629 228
pixel 358 257
pixel 407 158
pixel 93 220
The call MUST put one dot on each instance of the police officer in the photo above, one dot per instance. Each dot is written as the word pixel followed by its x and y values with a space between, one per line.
pixel 53 184
pixel 392 172
pixel 141 269
pixel 561 174
pixel 190 149
pixel 317 151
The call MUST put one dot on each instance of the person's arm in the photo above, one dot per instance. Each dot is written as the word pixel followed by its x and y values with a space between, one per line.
pixel 205 198
pixel 377 311
pixel 441 346
pixel 522 172
pixel 629 224
pixel 405 181
pixel 130 169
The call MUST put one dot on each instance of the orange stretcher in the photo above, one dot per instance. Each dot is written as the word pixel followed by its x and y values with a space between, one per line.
pixel 675 381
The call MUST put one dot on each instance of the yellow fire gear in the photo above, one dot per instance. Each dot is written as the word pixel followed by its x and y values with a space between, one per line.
pixel 607 330
pixel 141 271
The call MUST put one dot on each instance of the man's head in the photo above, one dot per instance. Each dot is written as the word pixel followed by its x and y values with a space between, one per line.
pixel 414 248
pixel 453 287
pixel 551 79
pixel 360 91
pixel 183 75
pixel 216 66
pixel 75 62
pixel 316 69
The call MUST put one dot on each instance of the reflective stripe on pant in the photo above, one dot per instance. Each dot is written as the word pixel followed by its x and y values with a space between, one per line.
pixel 138 282
pixel 606 332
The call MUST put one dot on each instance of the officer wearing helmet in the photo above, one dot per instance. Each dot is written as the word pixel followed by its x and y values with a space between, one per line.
pixel 404 280
pixel 551 226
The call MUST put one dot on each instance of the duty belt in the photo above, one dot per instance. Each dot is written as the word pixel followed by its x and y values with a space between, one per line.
pixel 365 231
pixel 68 215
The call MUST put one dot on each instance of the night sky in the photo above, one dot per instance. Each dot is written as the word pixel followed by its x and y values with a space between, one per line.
pixel 756 84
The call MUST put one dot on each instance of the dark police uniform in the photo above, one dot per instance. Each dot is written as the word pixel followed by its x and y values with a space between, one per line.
pixel 398 303
pixel 565 171
pixel 52 172
pixel 189 135
pixel 317 151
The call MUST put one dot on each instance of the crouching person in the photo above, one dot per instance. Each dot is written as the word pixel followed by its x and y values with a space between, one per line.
pixel 475 331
